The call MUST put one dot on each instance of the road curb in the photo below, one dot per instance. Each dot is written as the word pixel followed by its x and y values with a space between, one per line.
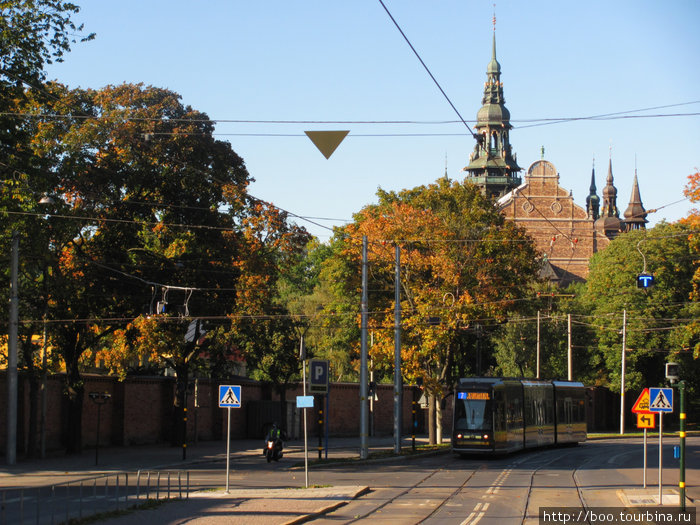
pixel 330 508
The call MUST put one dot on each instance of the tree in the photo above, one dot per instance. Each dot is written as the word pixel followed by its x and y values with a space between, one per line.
pixel 655 316
pixel 516 340
pixel 148 209
pixel 262 327
pixel 461 262
pixel 32 34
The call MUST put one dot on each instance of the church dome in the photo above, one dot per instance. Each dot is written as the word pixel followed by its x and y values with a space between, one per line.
pixel 495 113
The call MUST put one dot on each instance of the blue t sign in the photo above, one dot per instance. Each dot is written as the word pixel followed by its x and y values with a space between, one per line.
pixel 645 280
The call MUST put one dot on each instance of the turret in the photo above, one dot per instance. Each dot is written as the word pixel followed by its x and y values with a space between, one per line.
pixel 593 201
pixel 635 214
pixel 492 165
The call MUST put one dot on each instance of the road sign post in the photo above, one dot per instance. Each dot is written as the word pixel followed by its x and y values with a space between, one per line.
pixel 641 408
pixel 229 397
pixel 661 401
pixel 681 433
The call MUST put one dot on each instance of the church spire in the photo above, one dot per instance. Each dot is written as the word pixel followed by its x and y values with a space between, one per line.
pixel 492 165
pixel 609 221
pixel 635 214
pixel 593 201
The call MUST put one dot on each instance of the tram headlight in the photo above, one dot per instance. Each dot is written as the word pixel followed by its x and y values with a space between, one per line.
pixel 459 436
pixel 486 436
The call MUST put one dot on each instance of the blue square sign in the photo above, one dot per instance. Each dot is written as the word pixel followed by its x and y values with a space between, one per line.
pixel 661 400
pixel 230 396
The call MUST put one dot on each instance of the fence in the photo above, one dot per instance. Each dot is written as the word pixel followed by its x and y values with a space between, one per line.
pixel 74 500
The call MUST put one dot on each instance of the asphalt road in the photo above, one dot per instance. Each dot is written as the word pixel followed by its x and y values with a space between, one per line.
pixel 436 489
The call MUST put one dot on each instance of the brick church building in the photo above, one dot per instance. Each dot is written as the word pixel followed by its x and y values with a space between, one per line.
pixel 565 233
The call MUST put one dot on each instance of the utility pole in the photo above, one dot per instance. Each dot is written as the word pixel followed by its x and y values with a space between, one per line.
pixel 398 386
pixel 364 448
pixel 11 448
pixel 569 358
pixel 538 345
pixel 622 373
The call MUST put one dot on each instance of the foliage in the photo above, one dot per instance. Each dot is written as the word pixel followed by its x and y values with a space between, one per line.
pixel 148 208
pixel 516 341
pixel 655 317
pixel 460 262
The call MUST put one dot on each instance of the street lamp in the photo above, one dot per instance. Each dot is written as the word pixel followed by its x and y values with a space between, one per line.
pixel 99 398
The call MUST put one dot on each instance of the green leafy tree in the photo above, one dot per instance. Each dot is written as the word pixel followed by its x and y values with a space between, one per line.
pixel 149 205
pixel 655 316
pixel 516 341
pixel 32 35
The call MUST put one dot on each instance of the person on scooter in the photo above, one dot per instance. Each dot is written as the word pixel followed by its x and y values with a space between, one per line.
pixel 276 436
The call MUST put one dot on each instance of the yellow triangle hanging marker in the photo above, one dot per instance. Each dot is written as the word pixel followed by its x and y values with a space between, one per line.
pixel 326 141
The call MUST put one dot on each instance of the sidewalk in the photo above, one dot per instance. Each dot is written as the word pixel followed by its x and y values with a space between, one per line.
pixel 253 506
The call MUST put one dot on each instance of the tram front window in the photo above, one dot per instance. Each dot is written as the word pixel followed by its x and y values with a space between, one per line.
pixel 473 411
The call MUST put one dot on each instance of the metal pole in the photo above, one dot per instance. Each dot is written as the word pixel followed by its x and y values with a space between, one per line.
pixel 364 452
pixel 306 444
pixel 538 344
pixel 622 373
pixel 327 422
pixel 569 359
pixel 661 446
pixel 644 476
pixel 228 448
pixel 398 386
pixel 11 446
pixel 681 433
pixel 413 418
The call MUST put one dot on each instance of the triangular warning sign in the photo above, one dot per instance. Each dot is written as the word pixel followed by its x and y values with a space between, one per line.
pixel 229 398
pixel 327 141
pixel 642 404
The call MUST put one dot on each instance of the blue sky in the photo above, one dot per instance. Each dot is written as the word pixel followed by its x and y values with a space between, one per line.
pixel 332 60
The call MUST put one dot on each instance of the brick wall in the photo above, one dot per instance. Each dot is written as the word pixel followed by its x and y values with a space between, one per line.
pixel 139 411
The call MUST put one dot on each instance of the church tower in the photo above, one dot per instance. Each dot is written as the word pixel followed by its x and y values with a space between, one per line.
pixel 609 222
pixel 635 214
pixel 492 165
pixel 593 201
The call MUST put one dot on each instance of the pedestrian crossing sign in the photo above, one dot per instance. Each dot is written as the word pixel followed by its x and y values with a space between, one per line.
pixel 661 399
pixel 229 396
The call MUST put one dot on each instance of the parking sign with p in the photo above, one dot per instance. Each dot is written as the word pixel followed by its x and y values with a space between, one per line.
pixel 318 376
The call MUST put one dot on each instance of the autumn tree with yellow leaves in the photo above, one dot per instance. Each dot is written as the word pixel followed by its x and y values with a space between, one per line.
pixel 461 264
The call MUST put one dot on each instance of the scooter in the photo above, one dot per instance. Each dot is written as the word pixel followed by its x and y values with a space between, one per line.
pixel 273 449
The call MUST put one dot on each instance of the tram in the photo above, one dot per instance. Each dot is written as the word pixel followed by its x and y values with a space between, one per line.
pixel 500 415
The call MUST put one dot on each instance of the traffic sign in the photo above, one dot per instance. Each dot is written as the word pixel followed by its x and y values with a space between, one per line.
pixel 229 396
pixel 646 420
pixel 661 399
pixel 642 404
pixel 305 401
pixel 318 381
pixel 645 280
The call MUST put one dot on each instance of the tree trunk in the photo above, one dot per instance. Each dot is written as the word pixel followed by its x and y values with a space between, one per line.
pixel 431 418
pixel 74 392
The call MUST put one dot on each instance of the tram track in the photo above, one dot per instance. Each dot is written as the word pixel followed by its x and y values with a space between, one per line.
pixel 414 487
pixel 536 471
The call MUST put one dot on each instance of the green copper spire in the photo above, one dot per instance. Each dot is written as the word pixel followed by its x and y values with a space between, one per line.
pixel 593 201
pixel 492 165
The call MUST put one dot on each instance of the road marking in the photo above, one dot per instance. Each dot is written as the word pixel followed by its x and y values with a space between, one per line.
pixel 476 515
